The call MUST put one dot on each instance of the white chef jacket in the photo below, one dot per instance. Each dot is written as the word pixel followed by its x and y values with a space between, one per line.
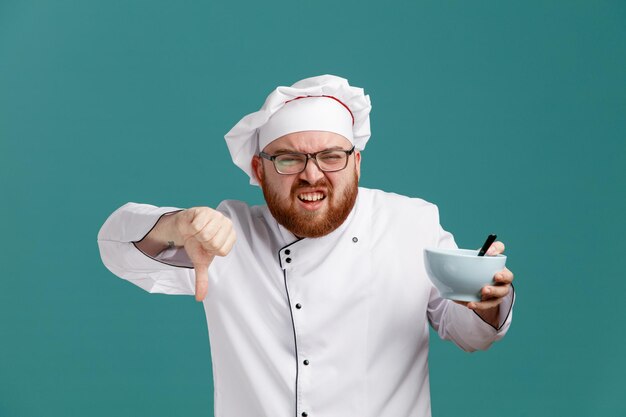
pixel 323 327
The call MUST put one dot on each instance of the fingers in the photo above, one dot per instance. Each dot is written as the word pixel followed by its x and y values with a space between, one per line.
pixel 484 305
pixel 194 220
pixel 223 240
pixel 206 225
pixel 207 233
pixel 210 228
pixel 228 245
pixel 202 268
pixel 492 295
pixel 503 277
pixel 495 248
pixel 498 291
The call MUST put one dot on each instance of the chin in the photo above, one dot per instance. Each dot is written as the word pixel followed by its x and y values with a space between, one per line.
pixel 323 216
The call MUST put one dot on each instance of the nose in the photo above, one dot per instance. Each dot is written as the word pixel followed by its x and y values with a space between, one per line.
pixel 312 174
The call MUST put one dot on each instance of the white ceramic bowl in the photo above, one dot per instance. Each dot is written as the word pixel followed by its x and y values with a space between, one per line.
pixel 459 274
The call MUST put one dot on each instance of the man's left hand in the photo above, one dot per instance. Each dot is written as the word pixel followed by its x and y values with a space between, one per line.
pixel 492 295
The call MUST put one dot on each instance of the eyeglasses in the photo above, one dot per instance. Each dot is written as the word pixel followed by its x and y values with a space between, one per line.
pixel 330 160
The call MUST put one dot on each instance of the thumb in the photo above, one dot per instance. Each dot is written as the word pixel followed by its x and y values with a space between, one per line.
pixel 202 280
pixel 200 260
pixel 496 248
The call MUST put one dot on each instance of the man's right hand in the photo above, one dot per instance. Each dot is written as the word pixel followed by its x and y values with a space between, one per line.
pixel 204 233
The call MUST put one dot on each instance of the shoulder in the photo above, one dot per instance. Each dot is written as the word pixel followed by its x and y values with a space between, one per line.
pixel 240 212
pixel 233 207
pixel 383 201
pixel 391 215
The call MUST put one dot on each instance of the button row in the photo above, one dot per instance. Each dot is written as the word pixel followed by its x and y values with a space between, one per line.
pixel 306 361
pixel 298 306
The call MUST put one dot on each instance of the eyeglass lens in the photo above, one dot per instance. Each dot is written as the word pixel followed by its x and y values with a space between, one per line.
pixel 327 161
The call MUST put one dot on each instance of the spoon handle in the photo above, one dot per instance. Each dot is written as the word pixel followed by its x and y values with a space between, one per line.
pixel 488 242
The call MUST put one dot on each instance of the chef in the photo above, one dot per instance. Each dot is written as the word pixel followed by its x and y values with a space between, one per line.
pixel 317 303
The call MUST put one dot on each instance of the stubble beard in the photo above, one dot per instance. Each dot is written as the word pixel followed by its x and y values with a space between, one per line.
pixel 312 224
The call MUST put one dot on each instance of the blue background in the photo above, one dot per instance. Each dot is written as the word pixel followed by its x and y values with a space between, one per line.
pixel 510 116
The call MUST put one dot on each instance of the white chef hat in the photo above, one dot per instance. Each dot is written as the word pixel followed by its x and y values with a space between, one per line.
pixel 325 103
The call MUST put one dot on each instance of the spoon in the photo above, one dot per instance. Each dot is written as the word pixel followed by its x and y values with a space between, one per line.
pixel 486 245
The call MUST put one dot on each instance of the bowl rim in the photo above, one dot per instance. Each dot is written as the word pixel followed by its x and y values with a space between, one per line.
pixel 469 253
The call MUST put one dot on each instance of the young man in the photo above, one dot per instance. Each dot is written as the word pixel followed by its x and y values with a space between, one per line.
pixel 317 304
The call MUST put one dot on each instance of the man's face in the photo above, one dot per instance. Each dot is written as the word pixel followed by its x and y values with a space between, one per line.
pixel 312 203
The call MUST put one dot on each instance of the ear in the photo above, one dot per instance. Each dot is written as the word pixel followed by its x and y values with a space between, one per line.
pixel 257 168
pixel 357 163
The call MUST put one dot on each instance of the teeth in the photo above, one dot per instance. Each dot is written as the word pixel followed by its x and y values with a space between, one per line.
pixel 311 196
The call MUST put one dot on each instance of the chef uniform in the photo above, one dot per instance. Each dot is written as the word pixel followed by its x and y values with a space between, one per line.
pixel 333 326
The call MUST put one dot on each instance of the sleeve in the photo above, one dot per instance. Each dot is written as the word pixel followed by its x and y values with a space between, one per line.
pixel 463 326
pixel 170 272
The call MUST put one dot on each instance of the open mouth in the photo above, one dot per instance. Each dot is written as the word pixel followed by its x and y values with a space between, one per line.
pixel 311 197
